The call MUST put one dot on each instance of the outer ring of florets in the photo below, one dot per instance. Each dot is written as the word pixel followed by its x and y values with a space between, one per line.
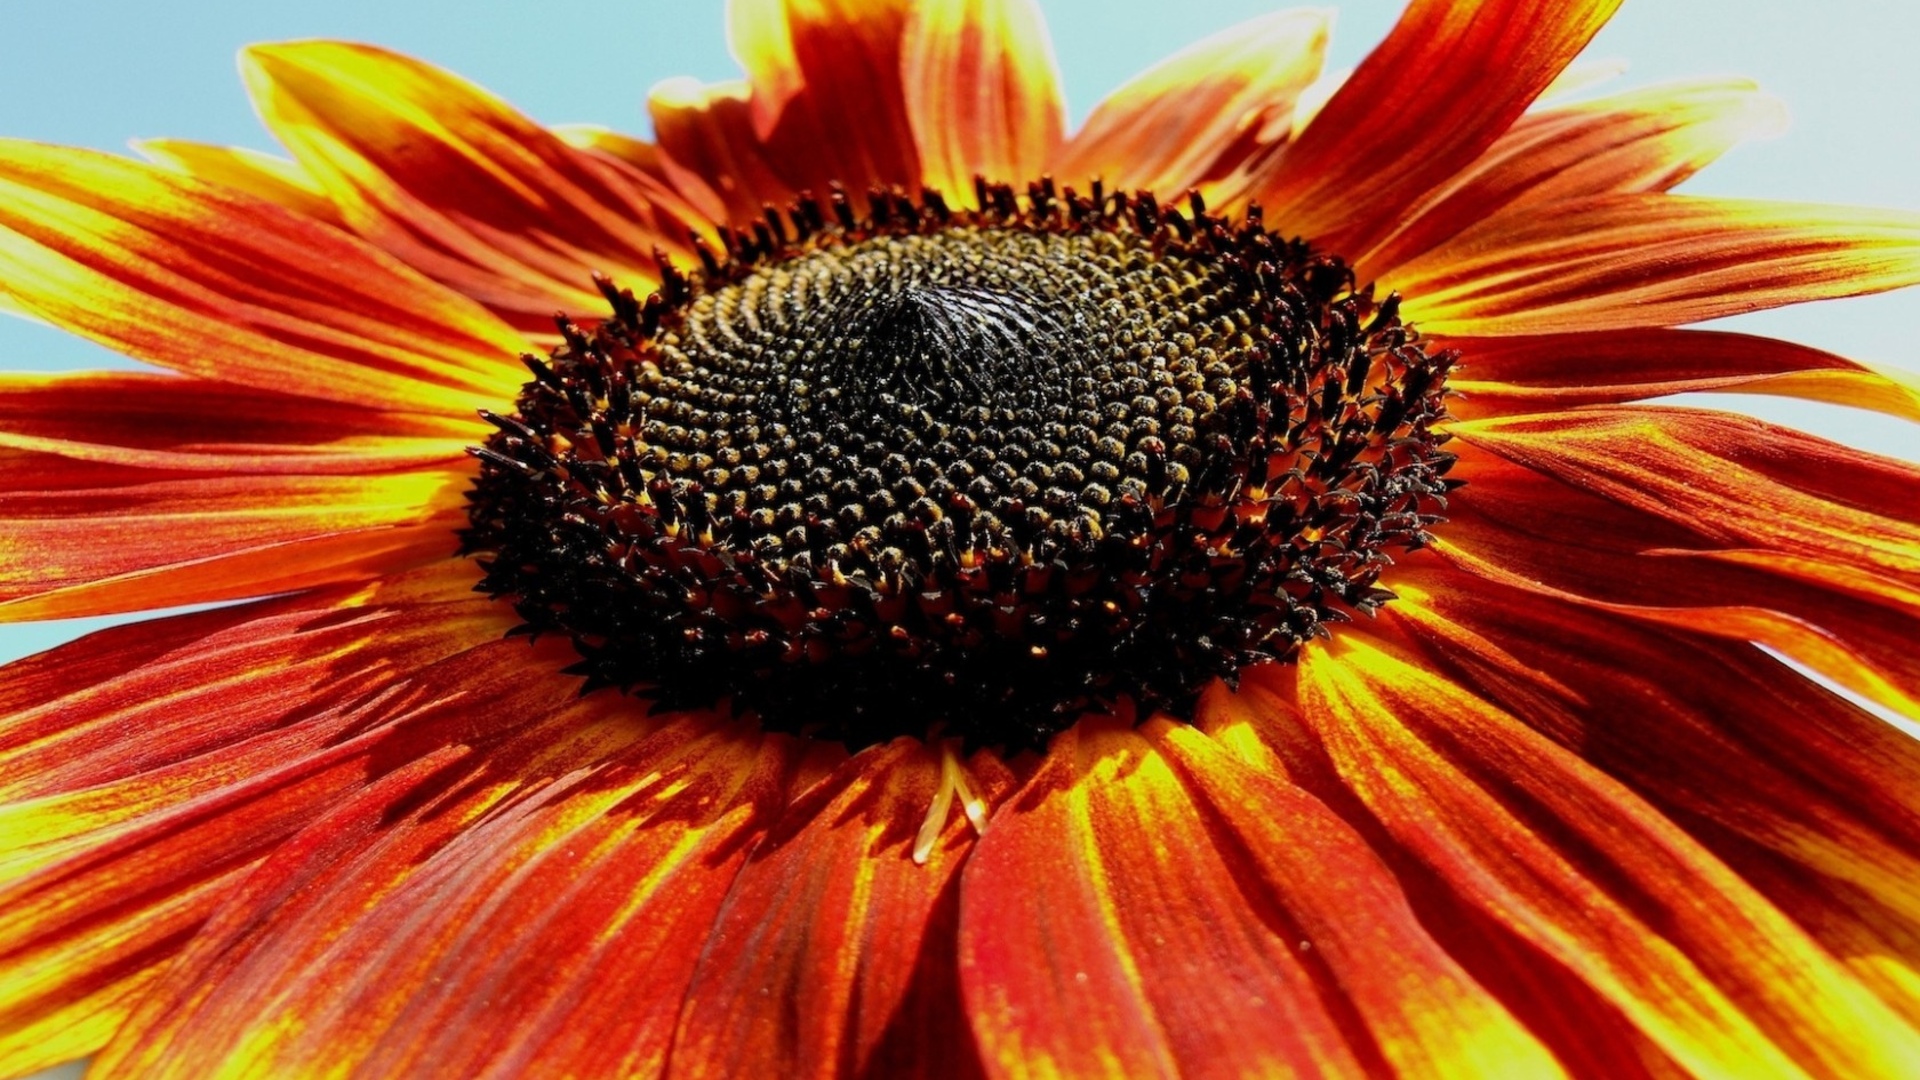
pixel 714 523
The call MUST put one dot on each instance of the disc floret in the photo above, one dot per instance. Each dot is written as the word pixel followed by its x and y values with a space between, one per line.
pixel 981 471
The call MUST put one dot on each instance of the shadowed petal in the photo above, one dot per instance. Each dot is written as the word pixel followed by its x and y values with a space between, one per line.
pixel 1626 261
pixel 1195 915
pixel 217 283
pixel 147 767
pixel 1448 81
pixel 158 421
pixel 833 913
pixel 826 92
pixel 534 908
pixel 982 92
pixel 710 151
pixel 1206 117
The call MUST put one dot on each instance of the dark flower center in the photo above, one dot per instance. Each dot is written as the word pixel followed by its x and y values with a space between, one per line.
pixel 970 472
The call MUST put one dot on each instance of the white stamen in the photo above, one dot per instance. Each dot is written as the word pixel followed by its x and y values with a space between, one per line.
pixel 953 781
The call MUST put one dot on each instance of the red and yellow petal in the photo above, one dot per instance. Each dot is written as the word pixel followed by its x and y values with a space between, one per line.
pixel 1625 261
pixel 533 908
pixel 442 174
pixel 833 912
pixel 224 285
pixel 1447 82
pixel 1552 372
pixel 1784 780
pixel 274 179
pixel 1734 480
pixel 1641 141
pixel 1195 915
pixel 1207 117
pixel 1570 864
pixel 826 92
pixel 982 92
pixel 131 811
pixel 158 421
pixel 87 538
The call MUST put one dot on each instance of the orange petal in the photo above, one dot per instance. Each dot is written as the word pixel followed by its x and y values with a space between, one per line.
pixel 1206 117
pixel 1625 261
pixel 1551 372
pixel 221 284
pixel 160 421
pixel 276 180
pixel 1742 482
pixel 826 89
pixel 534 910
pixel 1190 923
pixel 85 538
pixel 834 913
pixel 1449 80
pixel 982 92
pixel 1566 860
pixel 1772 773
pixel 454 181
pixel 163 807
pixel 1640 141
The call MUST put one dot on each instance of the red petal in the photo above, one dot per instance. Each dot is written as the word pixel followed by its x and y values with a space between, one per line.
pixel 1552 372
pixel 217 283
pixel 1447 82
pixel 982 92
pixel 454 181
pixel 84 538
pixel 1624 261
pixel 146 801
pixel 827 96
pixel 1207 117
pixel 160 421
pixel 1544 848
pixel 835 952
pixel 1186 920
pixel 710 151
pixel 1640 141
pixel 535 909
pixel 1742 482
pixel 1807 796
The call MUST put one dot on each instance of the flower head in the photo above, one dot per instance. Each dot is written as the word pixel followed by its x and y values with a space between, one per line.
pixel 872 582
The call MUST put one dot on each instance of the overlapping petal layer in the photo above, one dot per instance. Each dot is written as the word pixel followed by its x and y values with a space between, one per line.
pixel 1208 117
pixel 228 286
pixel 454 181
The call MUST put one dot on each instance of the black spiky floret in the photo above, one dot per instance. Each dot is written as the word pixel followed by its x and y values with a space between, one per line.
pixel 965 471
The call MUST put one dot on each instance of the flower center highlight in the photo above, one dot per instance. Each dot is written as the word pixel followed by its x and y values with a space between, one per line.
pixel 969 472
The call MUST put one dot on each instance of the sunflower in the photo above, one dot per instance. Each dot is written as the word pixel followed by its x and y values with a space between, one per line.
pixel 871 583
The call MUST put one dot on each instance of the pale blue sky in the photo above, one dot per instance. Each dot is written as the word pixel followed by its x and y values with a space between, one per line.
pixel 98 73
